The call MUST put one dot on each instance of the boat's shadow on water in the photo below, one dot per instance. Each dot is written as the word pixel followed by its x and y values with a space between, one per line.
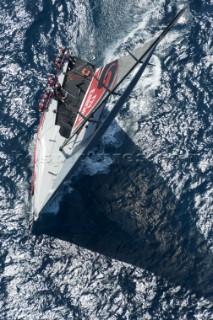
pixel 131 215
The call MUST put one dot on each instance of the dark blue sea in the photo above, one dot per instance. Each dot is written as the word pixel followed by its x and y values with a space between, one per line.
pixel 130 237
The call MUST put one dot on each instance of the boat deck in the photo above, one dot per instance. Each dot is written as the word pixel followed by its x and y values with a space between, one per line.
pixel 75 85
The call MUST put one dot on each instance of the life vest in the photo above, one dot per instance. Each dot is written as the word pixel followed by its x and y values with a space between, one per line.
pixel 85 72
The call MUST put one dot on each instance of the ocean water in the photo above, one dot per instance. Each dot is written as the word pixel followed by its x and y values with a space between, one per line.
pixel 131 235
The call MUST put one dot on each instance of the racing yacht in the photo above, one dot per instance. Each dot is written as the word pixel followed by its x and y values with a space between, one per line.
pixel 75 117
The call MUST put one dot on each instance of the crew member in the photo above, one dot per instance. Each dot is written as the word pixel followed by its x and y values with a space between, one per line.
pixel 45 99
pixel 69 56
pixel 41 104
pixel 58 65
pixel 59 92
pixel 50 92
pixel 52 80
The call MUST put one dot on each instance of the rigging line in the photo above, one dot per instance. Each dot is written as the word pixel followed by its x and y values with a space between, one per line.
pixel 136 59
pixel 69 94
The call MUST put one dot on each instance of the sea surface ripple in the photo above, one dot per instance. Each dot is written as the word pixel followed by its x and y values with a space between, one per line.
pixel 132 239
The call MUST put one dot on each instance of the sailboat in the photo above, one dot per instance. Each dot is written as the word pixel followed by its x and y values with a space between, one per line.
pixel 75 117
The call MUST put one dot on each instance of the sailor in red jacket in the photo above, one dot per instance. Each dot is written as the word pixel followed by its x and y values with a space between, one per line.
pixel 45 99
pixel 52 80
pixel 41 104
